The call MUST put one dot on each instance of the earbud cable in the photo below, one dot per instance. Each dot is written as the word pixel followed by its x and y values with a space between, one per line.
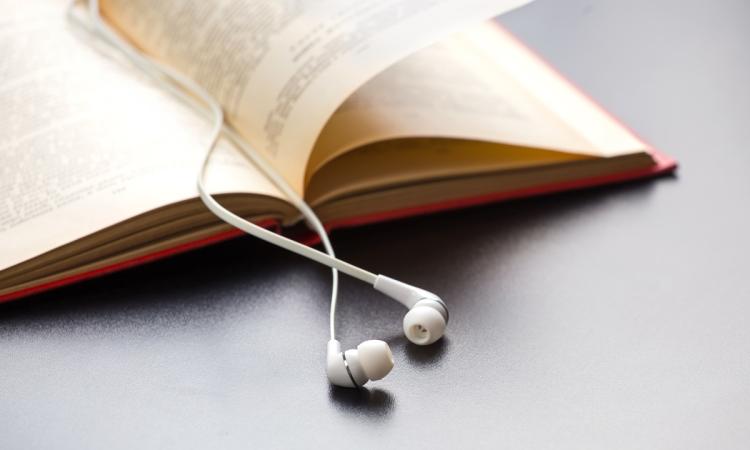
pixel 179 85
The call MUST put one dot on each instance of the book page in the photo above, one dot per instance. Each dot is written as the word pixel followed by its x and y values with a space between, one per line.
pixel 479 84
pixel 85 142
pixel 281 67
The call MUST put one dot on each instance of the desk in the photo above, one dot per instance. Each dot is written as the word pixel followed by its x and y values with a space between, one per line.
pixel 612 318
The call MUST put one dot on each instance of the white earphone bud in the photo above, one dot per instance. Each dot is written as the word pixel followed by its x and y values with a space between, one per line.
pixel 425 322
pixel 428 315
pixel 372 360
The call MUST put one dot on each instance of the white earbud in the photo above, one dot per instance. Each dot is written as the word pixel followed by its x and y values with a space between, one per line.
pixel 425 322
pixel 428 315
pixel 372 360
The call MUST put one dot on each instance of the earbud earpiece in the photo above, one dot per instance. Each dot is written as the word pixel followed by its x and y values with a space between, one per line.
pixel 425 322
pixel 428 315
pixel 372 360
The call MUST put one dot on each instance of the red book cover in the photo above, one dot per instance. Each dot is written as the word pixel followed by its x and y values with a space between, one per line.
pixel 663 164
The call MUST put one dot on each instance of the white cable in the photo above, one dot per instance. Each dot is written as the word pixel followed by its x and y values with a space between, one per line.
pixel 169 78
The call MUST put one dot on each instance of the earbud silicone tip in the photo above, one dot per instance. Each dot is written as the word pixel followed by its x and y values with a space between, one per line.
pixel 423 325
pixel 376 358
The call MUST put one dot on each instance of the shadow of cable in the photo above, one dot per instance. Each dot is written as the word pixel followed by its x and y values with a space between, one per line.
pixel 421 355
pixel 427 355
pixel 373 403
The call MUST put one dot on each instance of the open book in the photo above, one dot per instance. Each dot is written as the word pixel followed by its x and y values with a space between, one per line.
pixel 371 110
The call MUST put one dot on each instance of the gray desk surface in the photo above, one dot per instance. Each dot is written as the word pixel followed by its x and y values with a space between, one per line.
pixel 612 318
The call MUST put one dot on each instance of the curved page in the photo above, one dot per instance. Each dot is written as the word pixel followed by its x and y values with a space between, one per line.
pixel 282 67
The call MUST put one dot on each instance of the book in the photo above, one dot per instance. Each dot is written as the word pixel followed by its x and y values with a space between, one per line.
pixel 371 111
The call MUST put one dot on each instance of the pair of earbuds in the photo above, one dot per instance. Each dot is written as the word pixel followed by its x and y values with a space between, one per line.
pixel 372 360
pixel 427 317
